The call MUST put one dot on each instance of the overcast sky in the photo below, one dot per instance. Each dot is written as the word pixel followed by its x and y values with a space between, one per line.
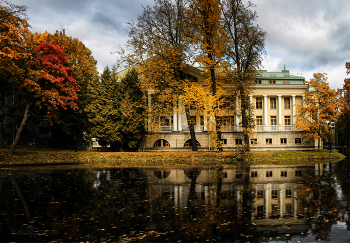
pixel 307 36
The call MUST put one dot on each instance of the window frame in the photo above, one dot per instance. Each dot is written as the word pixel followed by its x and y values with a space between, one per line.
pixel 258 103
pixel 286 103
pixel 273 103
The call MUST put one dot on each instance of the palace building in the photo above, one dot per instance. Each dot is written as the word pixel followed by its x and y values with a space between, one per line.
pixel 274 98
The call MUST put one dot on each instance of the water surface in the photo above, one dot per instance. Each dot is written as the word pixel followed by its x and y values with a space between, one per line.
pixel 234 204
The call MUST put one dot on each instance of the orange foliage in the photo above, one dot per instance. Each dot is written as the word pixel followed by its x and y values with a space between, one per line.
pixel 318 111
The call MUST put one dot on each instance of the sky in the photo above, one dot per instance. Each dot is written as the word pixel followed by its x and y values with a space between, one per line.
pixel 307 36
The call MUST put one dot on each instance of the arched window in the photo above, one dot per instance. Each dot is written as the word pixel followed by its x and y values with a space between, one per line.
pixel 161 174
pixel 192 173
pixel 188 143
pixel 161 143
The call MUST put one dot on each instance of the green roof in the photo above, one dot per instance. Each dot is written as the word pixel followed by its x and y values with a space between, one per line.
pixel 283 75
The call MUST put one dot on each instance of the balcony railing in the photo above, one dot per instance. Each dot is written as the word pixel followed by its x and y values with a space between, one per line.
pixel 272 128
pixel 259 128
pixel 227 128
pixel 196 128
pixel 287 128
pixel 167 128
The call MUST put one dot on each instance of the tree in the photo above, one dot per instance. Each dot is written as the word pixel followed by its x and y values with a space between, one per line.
pixel 317 114
pixel 117 110
pixel 343 121
pixel 71 123
pixel 245 47
pixel 160 49
pixel 13 30
pixel 48 84
pixel 132 108
pixel 104 111
pixel 209 39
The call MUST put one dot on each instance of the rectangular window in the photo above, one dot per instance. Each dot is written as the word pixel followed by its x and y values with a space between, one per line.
pixel 272 81
pixel 226 120
pixel 274 194
pixel 287 120
pixel 268 173
pixel 260 193
pixel 286 103
pixel 268 141
pixel 238 141
pixel 258 103
pixel 257 81
pixel 259 120
pixel 224 141
pixel 254 174
pixel 275 210
pixel 273 121
pixel 193 120
pixel 288 193
pixel 283 173
pixel 298 173
pixel 253 141
pixel 285 81
pixel 260 211
pixel 283 141
pixel 272 103
pixel 297 140
pixel 288 209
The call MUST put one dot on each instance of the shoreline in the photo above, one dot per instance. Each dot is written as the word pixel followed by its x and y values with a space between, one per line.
pixel 40 157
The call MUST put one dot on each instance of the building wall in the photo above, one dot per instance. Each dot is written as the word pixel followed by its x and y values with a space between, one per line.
pixel 272 122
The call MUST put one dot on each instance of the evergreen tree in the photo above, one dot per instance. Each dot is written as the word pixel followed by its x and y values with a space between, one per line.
pixel 103 111
pixel 132 108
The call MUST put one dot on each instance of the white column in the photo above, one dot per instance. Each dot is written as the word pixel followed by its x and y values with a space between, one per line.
pixel 265 110
pixel 251 100
pixel 267 201
pixel 179 116
pixel 279 109
pixel 205 121
pixel 237 113
pixel 281 203
pixel 293 111
pixel 175 120
pixel 176 196
pixel 295 205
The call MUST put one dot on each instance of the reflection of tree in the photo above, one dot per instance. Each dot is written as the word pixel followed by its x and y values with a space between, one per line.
pixel 319 196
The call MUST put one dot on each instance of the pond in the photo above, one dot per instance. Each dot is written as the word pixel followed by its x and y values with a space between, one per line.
pixel 281 203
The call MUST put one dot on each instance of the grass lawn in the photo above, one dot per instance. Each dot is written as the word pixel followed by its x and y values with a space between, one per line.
pixel 30 156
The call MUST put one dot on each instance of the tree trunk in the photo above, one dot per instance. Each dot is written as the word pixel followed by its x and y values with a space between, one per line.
pixel 18 134
pixel 191 128
pixel 330 145
pixel 244 123
pixel 319 144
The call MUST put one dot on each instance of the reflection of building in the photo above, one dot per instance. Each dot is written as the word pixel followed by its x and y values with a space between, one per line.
pixel 274 99
pixel 271 195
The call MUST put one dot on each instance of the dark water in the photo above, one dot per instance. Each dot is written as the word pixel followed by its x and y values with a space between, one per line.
pixel 230 204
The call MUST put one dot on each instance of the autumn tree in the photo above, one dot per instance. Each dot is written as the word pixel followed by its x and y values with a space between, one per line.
pixel 13 30
pixel 161 50
pixel 71 123
pixel 317 114
pixel 244 50
pixel 48 84
pixel 208 40
pixel 343 121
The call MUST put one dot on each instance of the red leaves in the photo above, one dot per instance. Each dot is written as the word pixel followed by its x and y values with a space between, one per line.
pixel 50 79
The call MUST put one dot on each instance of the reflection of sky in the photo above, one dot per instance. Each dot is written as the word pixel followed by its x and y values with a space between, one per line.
pixel 339 234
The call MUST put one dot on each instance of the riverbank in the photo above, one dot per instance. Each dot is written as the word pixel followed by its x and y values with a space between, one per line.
pixel 30 156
